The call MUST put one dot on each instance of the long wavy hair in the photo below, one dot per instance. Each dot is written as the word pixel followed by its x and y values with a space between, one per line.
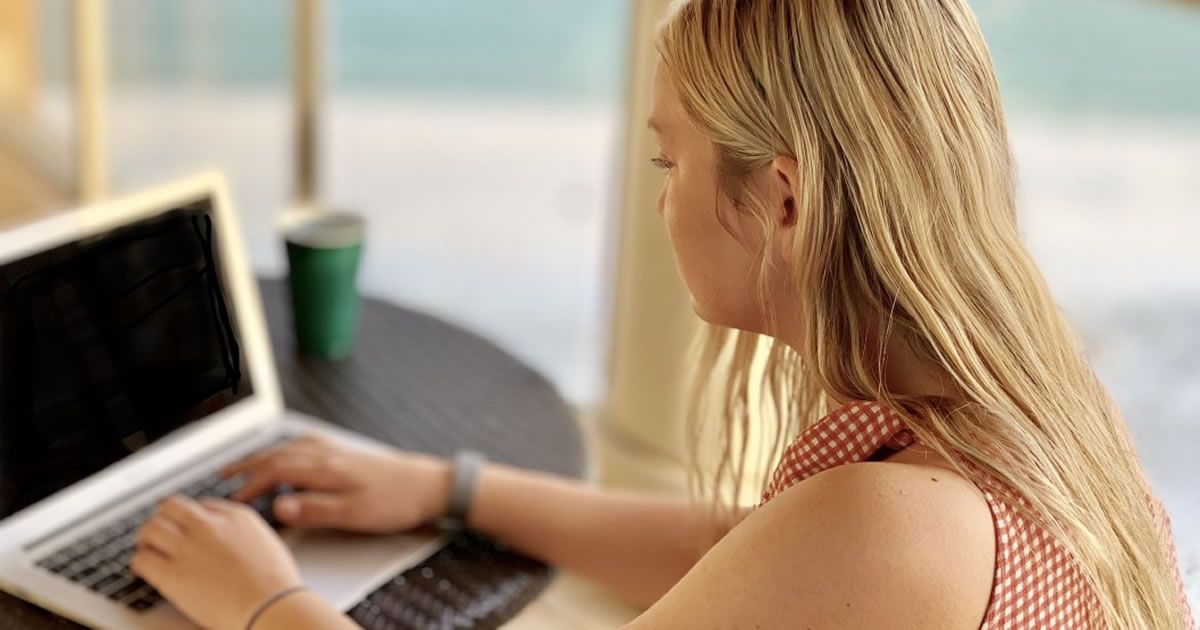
pixel 906 215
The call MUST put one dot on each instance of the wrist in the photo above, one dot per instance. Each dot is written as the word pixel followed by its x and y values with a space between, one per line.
pixel 442 486
pixel 284 613
pixel 263 607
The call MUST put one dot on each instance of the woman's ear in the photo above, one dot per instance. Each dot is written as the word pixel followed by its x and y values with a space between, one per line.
pixel 784 199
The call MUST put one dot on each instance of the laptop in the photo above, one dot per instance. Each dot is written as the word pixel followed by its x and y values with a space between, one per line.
pixel 134 364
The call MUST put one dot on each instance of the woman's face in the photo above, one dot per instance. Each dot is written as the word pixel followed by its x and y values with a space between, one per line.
pixel 718 267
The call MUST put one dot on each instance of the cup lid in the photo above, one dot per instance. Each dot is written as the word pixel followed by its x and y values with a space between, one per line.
pixel 325 229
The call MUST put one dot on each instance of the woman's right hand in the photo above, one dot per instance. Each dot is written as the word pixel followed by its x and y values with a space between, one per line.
pixel 341 487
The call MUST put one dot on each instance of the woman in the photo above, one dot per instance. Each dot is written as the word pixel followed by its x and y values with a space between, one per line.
pixel 838 178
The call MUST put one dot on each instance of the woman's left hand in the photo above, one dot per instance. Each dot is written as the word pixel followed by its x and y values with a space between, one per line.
pixel 215 560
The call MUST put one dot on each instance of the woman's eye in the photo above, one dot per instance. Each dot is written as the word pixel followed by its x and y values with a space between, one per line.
pixel 661 163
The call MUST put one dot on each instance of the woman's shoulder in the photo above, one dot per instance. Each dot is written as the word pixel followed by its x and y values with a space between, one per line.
pixel 920 519
pixel 872 544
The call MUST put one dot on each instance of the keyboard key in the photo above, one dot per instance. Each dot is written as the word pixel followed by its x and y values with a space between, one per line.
pixel 84 573
pixel 143 603
pixel 110 582
pixel 115 583
pixel 134 585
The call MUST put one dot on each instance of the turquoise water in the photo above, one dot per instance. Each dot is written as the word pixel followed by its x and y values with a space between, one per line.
pixel 1120 56
pixel 1056 56
pixel 512 49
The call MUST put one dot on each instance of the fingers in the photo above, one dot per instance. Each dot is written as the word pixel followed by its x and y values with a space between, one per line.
pixel 313 438
pixel 304 443
pixel 150 565
pixel 184 512
pixel 258 458
pixel 302 470
pixel 221 506
pixel 312 509
pixel 160 534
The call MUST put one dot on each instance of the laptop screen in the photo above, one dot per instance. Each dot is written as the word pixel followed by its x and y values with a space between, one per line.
pixel 109 343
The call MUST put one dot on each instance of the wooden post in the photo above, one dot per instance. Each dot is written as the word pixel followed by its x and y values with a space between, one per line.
pixel 18 59
pixel 91 85
pixel 308 85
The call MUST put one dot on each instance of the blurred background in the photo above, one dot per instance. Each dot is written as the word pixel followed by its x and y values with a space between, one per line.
pixel 494 148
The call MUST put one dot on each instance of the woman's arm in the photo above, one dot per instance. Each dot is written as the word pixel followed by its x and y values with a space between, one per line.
pixel 637 545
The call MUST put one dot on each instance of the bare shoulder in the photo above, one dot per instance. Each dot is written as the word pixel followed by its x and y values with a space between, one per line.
pixel 869 545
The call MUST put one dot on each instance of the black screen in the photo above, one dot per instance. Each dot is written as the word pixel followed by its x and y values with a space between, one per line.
pixel 108 344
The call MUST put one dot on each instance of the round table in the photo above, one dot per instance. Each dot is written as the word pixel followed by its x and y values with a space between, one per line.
pixel 421 384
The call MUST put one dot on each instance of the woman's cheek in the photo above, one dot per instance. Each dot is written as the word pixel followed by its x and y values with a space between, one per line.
pixel 673 216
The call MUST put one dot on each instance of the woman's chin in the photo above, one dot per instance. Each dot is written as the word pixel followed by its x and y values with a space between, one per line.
pixel 699 310
pixel 714 316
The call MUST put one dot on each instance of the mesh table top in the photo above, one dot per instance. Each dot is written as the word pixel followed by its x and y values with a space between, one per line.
pixel 421 384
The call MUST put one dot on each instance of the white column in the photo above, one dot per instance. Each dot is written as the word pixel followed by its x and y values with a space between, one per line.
pixel 641 429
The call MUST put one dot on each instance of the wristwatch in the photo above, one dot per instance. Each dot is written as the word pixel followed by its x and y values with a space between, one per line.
pixel 467 465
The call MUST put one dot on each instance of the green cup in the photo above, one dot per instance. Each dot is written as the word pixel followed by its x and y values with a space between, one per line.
pixel 323 251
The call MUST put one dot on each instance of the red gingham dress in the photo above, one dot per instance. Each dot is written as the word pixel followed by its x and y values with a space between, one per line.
pixel 1037 583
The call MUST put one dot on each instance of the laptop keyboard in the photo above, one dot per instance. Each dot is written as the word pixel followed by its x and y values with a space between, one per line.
pixel 100 560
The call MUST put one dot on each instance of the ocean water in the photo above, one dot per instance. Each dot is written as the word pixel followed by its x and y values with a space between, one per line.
pixel 1110 57
pixel 1107 57
pixel 557 50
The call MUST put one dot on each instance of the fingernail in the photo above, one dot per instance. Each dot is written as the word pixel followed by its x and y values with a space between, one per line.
pixel 286 507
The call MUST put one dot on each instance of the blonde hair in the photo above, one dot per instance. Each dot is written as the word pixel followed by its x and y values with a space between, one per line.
pixel 906 210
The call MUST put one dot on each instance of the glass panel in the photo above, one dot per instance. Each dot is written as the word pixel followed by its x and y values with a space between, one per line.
pixel 200 84
pixel 479 138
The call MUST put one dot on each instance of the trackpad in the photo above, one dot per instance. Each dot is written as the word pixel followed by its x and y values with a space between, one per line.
pixel 344 568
